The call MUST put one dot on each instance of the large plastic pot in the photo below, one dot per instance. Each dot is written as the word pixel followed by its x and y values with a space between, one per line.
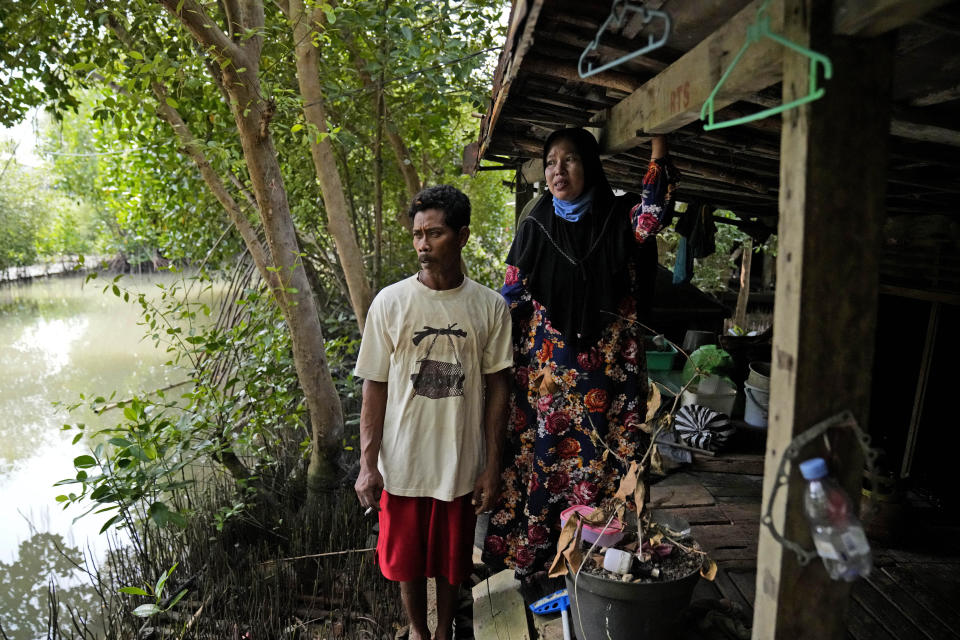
pixel 602 609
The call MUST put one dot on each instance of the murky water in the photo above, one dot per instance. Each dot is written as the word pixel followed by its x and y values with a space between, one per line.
pixel 59 339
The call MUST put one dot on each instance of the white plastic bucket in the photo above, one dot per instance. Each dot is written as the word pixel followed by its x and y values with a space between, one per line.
pixel 757 405
pixel 721 401
pixel 759 375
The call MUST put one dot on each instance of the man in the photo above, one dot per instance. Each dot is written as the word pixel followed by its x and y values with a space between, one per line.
pixel 434 359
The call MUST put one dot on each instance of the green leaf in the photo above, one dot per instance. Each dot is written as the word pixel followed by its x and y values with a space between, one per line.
pixel 159 513
pixel 406 32
pixel 177 598
pixel 116 290
pixel 147 610
pixel 170 101
pixel 129 413
pixel 296 128
pixel 84 462
pixel 136 55
pixel 163 579
pixel 134 591
pixel 112 521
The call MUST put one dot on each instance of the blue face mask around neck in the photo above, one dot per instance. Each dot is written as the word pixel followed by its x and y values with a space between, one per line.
pixel 574 209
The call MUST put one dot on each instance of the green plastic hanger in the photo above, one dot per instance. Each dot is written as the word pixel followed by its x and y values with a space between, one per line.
pixel 755 32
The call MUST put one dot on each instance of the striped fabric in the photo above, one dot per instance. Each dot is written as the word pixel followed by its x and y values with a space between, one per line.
pixel 702 427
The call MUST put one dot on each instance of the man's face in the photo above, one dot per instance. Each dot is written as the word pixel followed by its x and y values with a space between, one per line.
pixel 438 246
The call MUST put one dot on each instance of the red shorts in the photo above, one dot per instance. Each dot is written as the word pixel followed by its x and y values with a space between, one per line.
pixel 426 537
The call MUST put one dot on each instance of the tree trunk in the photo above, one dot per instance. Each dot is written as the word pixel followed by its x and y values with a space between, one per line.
pixel 410 176
pixel 378 187
pixel 314 110
pixel 294 294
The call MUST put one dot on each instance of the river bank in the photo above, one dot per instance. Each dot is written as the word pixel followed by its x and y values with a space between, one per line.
pixel 65 265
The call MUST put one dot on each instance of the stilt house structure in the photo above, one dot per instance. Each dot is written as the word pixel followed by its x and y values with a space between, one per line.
pixel 861 187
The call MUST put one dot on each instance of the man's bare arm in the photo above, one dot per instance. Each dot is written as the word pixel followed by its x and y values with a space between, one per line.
pixel 369 483
pixel 487 488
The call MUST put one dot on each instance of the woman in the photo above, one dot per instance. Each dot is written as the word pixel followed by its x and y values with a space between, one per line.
pixel 581 265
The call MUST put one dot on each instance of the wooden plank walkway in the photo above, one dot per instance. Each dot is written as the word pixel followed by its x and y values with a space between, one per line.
pixel 909 595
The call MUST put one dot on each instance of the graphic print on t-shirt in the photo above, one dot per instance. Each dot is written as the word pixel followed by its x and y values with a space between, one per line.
pixel 436 379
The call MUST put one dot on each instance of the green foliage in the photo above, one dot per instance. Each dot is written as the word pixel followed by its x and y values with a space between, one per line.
pixel 713 273
pixel 38 221
pixel 708 360
pixel 35 47
pixel 241 405
pixel 21 213
pixel 144 199
pixel 435 61
pixel 491 226
pixel 156 593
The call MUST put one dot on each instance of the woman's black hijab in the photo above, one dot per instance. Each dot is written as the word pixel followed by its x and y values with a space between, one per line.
pixel 577 270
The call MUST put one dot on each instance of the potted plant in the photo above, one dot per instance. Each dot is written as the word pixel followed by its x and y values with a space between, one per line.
pixel 640 586
pixel 708 368
pixel 707 379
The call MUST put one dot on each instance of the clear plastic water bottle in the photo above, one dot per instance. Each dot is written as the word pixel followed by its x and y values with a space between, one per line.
pixel 837 532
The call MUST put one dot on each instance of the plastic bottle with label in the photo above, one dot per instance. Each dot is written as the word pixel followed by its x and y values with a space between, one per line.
pixel 836 530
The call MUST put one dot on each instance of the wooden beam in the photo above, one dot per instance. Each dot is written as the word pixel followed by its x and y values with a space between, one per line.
pixel 674 97
pixel 940 96
pixel 522 27
pixel 913 124
pixel 831 215
pixel 867 18
pixel 567 70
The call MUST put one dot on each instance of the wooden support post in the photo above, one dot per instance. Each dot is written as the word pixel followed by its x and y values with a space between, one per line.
pixel 746 259
pixel 833 161
pixel 921 393
pixel 523 194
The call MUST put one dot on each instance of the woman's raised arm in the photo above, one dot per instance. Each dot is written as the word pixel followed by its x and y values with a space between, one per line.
pixel 655 208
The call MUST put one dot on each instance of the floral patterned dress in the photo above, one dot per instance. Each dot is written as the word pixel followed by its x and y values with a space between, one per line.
pixel 564 400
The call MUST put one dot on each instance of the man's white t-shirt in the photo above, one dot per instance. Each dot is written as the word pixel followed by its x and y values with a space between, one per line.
pixel 433 348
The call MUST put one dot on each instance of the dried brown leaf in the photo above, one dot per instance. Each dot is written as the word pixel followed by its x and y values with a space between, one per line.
pixel 597 516
pixel 708 569
pixel 654 399
pixel 656 461
pixel 628 483
pixel 568 545
pixel 639 495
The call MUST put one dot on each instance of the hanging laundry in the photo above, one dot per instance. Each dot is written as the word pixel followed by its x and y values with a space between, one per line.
pixel 697 239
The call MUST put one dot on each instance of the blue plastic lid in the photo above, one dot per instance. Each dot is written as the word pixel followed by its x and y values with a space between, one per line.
pixel 813 468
